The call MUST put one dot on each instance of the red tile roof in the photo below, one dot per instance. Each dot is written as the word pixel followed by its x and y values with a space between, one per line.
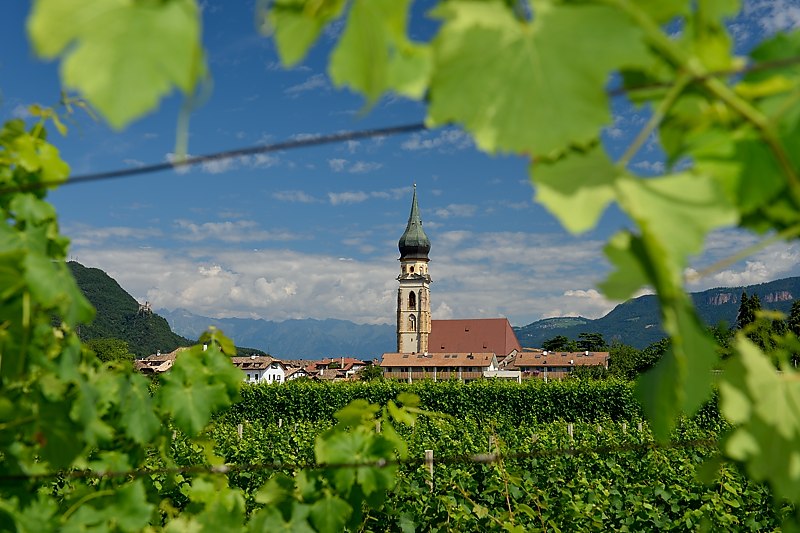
pixel 473 335
pixel 544 358
pixel 391 360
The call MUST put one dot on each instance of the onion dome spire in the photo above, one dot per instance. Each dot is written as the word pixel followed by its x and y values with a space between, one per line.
pixel 414 244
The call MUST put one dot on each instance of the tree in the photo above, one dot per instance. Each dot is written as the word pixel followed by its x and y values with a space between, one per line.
pixel 370 373
pixel 592 342
pixel 559 343
pixel 793 321
pixel 108 350
pixel 747 310
pixel 624 361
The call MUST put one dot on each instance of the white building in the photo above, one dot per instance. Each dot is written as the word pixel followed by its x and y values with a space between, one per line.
pixel 258 368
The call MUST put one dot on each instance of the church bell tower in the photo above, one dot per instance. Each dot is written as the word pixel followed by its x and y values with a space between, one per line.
pixel 413 295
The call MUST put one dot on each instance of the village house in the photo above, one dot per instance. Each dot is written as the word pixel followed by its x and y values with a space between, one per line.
pixel 256 368
pixel 259 368
pixel 335 368
pixel 534 363
pixel 439 366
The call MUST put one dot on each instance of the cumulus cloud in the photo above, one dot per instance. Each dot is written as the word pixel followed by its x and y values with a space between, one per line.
pixel 353 197
pixel 294 196
pixel 226 164
pixel 348 197
pixel 650 167
pixel 84 235
pixel 456 210
pixel 235 231
pixel 446 141
pixel 312 83
pixel 357 167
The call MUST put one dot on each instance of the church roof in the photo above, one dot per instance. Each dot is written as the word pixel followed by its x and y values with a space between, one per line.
pixel 473 335
pixel 414 244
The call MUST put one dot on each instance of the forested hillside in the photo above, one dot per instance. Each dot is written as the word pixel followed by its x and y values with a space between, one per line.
pixel 118 315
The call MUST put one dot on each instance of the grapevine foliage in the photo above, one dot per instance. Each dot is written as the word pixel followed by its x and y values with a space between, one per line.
pixel 525 78
pixel 729 132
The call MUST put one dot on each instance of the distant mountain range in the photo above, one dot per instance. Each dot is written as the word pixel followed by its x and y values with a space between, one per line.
pixel 637 321
pixel 306 338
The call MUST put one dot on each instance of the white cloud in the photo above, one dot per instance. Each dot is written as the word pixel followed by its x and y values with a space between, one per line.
pixel 773 16
pixel 348 197
pixel 654 167
pixel 83 235
pixel 456 210
pixel 228 164
pixel 352 197
pixel 446 141
pixel 21 111
pixel 776 261
pixel 358 167
pixel 230 231
pixel 313 83
pixel 361 167
pixel 337 165
pixel 294 196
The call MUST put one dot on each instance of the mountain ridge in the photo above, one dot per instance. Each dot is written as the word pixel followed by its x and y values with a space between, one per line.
pixel 637 321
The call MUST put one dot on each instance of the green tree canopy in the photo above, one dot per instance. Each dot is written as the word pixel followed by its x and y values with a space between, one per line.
pixel 559 343
pixel 108 350
pixel 592 342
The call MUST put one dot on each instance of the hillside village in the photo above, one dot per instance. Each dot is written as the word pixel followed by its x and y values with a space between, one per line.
pixel 465 349
pixel 427 349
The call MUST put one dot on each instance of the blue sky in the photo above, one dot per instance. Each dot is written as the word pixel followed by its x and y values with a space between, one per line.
pixel 313 232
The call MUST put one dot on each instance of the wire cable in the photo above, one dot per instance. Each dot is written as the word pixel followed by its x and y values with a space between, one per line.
pixel 216 156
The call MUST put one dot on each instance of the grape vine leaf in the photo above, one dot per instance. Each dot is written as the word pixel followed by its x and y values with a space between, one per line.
pixel 330 513
pixel 534 87
pixel 122 56
pixel 298 23
pixel 375 55
pixel 198 384
pixel 764 407
pixel 140 423
pixel 576 188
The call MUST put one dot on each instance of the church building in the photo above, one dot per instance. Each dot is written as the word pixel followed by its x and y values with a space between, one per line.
pixel 439 349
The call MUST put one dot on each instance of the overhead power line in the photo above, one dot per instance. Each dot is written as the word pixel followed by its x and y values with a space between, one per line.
pixel 317 140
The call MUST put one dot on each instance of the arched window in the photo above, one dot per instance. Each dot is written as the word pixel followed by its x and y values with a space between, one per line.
pixel 412 323
pixel 412 269
pixel 412 300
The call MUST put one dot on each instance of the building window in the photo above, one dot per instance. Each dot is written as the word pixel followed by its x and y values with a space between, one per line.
pixel 412 300
pixel 412 323
pixel 412 269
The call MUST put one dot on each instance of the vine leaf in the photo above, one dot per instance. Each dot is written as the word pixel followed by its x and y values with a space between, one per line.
pixel 330 514
pixel 534 87
pixel 298 23
pixel 677 211
pixel 576 188
pixel 764 406
pixel 374 55
pixel 122 56
pixel 141 424
pixel 198 384
pixel 126 510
